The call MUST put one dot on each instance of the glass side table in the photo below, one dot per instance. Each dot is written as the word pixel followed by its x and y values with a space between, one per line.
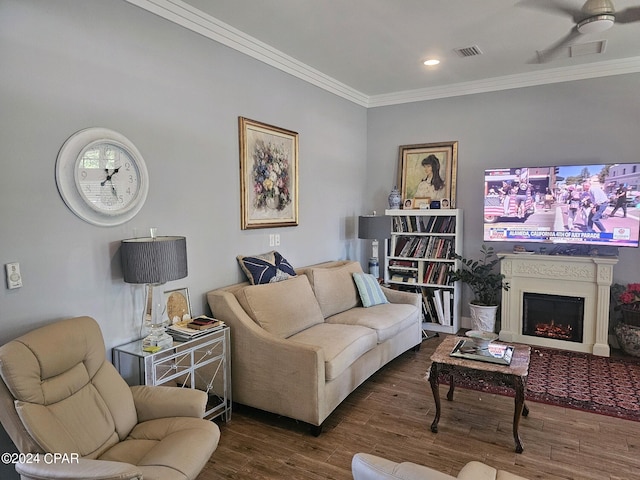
pixel 203 363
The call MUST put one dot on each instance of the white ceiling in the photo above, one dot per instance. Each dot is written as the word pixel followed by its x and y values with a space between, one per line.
pixel 371 51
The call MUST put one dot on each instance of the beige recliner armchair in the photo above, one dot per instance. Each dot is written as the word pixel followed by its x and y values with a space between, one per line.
pixel 59 395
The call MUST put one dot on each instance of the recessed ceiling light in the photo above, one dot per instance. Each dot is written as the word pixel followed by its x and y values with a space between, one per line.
pixel 431 62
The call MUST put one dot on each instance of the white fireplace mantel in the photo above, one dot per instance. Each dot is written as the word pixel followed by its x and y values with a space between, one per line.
pixel 586 277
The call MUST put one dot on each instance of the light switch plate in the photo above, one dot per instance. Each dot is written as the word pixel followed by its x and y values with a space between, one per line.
pixel 14 279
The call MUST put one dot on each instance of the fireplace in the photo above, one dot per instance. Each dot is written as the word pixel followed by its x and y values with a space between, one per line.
pixel 553 316
pixel 578 288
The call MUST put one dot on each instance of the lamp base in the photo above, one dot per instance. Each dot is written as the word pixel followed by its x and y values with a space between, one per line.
pixel 374 267
pixel 157 338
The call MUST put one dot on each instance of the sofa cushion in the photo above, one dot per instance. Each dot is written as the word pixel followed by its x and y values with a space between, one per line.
pixel 369 290
pixel 387 319
pixel 334 287
pixel 282 308
pixel 266 268
pixel 342 344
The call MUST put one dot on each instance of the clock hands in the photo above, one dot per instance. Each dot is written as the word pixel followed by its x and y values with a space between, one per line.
pixel 108 179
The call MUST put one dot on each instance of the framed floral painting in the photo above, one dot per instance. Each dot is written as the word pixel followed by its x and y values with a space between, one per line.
pixel 268 175
pixel 428 170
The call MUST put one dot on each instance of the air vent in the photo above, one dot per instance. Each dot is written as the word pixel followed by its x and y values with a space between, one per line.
pixel 591 48
pixel 471 51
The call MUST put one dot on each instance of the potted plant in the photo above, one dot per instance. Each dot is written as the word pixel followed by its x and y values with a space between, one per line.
pixel 627 330
pixel 486 285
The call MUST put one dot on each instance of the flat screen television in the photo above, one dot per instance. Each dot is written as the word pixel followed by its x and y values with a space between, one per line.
pixel 563 204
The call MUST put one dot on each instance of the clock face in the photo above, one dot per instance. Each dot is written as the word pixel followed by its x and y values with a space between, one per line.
pixel 107 177
pixel 101 176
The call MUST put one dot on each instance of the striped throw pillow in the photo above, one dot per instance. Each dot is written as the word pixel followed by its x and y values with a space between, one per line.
pixel 369 289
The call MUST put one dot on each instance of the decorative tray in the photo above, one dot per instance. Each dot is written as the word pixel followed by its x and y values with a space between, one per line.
pixel 495 353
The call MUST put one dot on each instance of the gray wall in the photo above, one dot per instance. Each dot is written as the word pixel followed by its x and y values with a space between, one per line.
pixel 69 65
pixel 581 122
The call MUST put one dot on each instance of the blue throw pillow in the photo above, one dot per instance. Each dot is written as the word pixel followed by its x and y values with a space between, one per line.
pixel 369 289
pixel 266 268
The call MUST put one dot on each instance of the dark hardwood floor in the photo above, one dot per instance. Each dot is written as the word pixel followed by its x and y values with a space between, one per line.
pixel 390 414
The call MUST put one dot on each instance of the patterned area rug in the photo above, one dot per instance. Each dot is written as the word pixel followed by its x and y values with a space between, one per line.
pixel 607 386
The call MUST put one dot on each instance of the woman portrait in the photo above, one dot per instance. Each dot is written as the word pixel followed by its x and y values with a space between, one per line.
pixel 431 185
pixel 428 171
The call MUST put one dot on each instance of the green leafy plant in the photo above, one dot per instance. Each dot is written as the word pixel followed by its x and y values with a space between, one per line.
pixel 485 283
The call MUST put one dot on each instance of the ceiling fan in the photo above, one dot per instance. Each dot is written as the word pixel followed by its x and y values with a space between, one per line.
pixel 595 16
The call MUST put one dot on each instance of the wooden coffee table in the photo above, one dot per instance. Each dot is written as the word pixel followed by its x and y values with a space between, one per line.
pixel 513 375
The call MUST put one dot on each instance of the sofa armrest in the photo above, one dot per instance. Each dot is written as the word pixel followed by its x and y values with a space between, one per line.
pixel 80 469
pixel 400 296
pixel 162 402
pixel 268 372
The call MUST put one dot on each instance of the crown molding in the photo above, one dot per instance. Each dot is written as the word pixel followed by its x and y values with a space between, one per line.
pixel 199 22
pixel 508 82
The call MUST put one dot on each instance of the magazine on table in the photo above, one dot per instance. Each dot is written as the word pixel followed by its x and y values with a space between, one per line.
pixel 494 353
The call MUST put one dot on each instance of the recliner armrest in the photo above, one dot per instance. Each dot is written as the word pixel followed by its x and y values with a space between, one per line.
pixel 81 469
pixel 162 402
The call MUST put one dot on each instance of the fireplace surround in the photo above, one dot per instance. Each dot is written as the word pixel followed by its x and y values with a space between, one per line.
pixel 578 277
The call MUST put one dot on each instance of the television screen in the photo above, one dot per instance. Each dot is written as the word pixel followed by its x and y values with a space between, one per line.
pixel 573 205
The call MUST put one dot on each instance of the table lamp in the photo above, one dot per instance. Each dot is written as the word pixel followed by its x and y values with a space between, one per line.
pixel 373 227
pixel 154 261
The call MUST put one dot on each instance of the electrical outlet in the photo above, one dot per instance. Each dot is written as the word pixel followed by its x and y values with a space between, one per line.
pixel 277 239
pixel 14 279
pixel 272 240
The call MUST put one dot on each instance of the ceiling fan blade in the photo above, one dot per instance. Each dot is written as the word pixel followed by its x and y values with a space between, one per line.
pixel 552 51
pixel 555 6
pixel 628 15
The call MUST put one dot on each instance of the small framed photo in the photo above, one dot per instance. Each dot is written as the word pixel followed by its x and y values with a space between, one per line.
pixel 444 203
pixel 177 305
pixel 422 203
pixel 435 204
pixel 408 204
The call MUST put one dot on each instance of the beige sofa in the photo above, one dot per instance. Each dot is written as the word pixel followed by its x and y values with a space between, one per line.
pixel 372 467
pixel 299 347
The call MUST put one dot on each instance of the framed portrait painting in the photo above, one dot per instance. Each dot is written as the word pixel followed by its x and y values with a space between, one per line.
pixel 428 170
pixel 268 175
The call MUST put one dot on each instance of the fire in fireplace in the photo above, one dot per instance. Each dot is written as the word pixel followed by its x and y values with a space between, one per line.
pixel 553 316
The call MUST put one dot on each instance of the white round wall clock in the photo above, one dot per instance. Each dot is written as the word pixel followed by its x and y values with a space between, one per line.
pixel 101 176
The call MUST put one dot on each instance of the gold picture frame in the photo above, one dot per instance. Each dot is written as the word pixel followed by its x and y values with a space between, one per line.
pixel 268 175
pixel 421 203
pixel 428 170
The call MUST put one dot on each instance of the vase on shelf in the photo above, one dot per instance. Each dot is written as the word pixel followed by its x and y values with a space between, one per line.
pixel 394 198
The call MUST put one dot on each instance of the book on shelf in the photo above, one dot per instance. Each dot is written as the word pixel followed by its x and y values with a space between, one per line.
pixel 404 278
pixel 400 242
pixel 437 297
pixel 421 248
pixel 446 304
pixel 429 305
